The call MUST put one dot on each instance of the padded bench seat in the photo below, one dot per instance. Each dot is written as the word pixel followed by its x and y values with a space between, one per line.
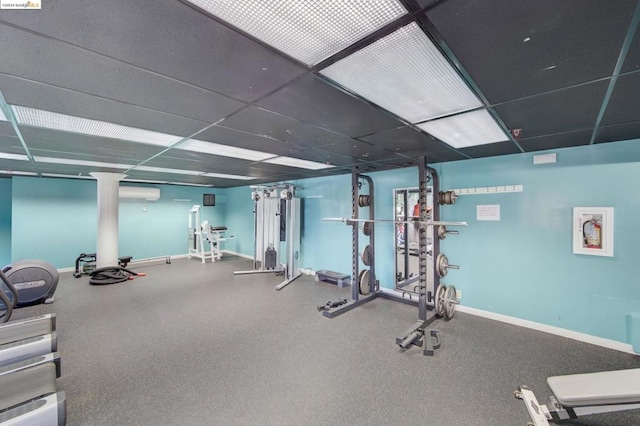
pixel 605 388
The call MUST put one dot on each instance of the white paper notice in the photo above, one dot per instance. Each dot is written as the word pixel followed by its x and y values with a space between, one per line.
pixel 488 212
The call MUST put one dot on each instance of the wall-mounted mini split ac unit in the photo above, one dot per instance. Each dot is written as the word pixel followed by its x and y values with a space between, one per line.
pixel 145 193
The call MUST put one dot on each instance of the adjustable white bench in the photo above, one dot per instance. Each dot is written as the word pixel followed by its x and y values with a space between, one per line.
pixel 583 394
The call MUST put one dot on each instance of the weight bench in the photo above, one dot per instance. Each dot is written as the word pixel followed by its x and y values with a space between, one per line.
pixel 584 394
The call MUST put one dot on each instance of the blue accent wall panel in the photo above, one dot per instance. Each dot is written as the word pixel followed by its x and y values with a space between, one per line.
pixel 239 220
pixel 56 219
pixel 5 221
pixel 159 228
pixel 523 265
pixel 53 219
pixel 325 245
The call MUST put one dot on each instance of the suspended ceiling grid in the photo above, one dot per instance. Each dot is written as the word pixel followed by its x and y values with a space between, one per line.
pixel 566 73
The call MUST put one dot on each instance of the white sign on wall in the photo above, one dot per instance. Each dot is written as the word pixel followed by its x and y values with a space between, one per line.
pixel 488 212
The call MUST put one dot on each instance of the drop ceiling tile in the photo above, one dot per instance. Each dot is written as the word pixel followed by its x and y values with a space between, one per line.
pixel 632 61
pixel 24 93
pixel 11 144
pixel 24 166
pixel 6 129
pixel 490 150
pixel 358 150
pixel 558 112
pixel 169 177
pixel 515 49
pixel 186 160
pixel 243 139
pixel 261 122
pixel 60 64
pixel 624 105
pixel 562 140
pixel 325 157
pixel 58 143
pixel 618 132
pixel 170 38
pixel 405 139
pixel 312 100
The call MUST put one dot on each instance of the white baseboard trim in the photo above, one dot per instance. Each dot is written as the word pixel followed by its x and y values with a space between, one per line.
pixel 235 253
pixel 582 337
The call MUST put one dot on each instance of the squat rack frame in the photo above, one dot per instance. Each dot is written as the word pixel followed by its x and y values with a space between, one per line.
pixel 417 334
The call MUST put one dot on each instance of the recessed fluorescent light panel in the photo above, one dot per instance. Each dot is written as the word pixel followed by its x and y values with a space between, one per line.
pixel 71 162
pixel 295 162
pixel 309 31
pixel 189 184
pixel 56 175
pixel 406 74
pixel 468 129
pixel 24 173
pixel 8 156
pixel 143 180
pixel 163 170
pixel 225 176
pixel 68 123
pixel 223 150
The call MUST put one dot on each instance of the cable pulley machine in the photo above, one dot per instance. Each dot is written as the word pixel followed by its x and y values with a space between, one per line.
pixel 434 299
pixel 276 224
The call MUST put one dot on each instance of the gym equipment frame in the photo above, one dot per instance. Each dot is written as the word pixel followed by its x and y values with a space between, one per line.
pixel 276 220
pixel 366 284
pixel 584 394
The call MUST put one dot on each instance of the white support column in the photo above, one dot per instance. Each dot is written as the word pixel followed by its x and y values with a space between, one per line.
pixel 107 241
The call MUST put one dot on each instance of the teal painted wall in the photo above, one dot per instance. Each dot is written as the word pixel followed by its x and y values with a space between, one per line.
pixel 5 221
pixel 56 219
pixel 239 221
pixel 325 245
pixel 159 228
pixel 523 265
pixel 52 219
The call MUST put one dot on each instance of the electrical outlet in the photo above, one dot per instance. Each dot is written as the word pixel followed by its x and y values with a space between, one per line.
pixel 458 294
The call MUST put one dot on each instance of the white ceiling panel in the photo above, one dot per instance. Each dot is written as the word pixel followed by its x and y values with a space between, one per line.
pixel 406 74
pixel 309 31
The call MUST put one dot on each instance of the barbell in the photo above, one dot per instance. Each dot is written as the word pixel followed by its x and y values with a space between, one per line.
pixel 422 223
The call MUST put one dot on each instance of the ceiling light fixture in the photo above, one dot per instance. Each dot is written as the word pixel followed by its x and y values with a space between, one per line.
pixel 69 161
pixel 57 175
pixel 8 156
pixel 223 150
pixel 226 176
pixel 68 123
pixel 407 75
pixel 468 129
pixel 163 170
pixel 190 184
pixel 309 31
pixel 296 162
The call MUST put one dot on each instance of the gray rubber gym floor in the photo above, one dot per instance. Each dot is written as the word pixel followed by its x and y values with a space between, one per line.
pixel 192 344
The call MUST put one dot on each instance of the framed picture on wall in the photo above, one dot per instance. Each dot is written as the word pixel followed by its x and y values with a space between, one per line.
pixel 593 231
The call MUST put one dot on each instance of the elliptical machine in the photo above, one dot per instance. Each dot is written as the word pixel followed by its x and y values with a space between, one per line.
pixel 26 283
